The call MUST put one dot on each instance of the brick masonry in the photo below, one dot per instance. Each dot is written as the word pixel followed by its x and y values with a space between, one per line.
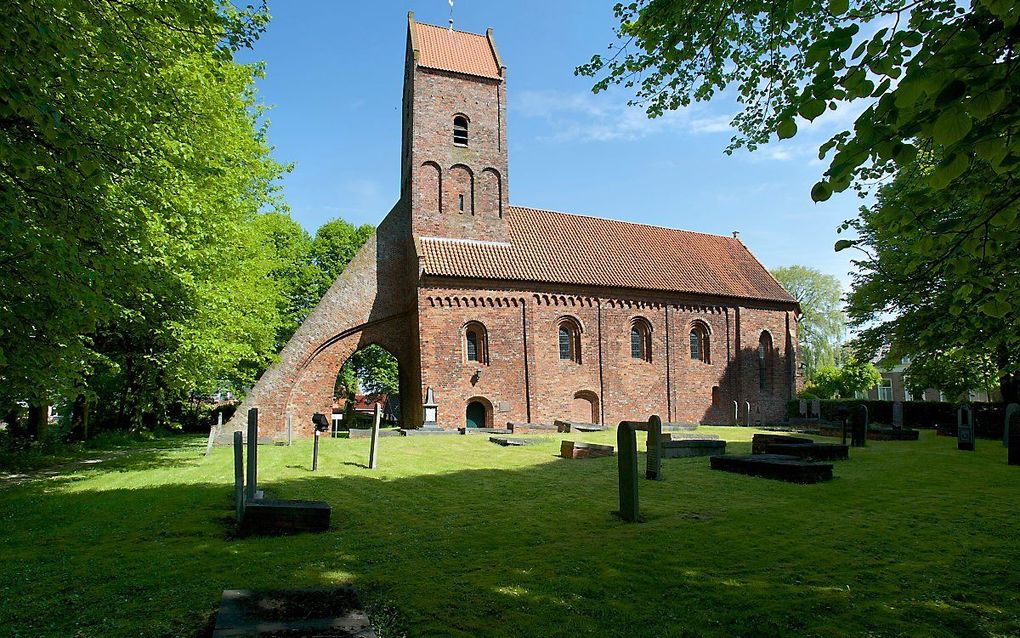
pixel 383 298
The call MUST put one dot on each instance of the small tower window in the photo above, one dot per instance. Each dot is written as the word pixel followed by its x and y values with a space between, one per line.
pixel 476 347
pixel 460 202
pixel 460 131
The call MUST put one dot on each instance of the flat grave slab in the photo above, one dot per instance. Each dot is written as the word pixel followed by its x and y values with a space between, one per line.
pixel 567 426
pixel 679 427
pixel 760 441
pixel 685 448
pixel 276 517
pixel 532 428
pixel 292 613
pixel 425 431
pixel 815 451
pixel 366 433
pixel 507 441
pixel 576 450
pixel 485 430
pixel 883 433
pixel 774 466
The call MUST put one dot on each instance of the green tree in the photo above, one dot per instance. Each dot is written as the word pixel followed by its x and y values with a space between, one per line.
pixel 845 382
pixel 821 330
pixel 335 244
pixel 955 372
pixel 371 370
pixel 294 271
pixel 937 85
pixel 131 163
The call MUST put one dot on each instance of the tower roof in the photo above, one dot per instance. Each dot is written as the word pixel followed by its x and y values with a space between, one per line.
pixel 449 50
pixel 560 248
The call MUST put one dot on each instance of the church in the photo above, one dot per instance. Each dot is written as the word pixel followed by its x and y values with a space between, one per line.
pixel 517 314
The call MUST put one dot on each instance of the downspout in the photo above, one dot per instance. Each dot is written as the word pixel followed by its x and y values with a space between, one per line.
pixel 669 384
pixel 527 373
pixel 602 385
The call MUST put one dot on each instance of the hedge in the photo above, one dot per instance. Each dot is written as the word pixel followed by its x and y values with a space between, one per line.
pixel 988 417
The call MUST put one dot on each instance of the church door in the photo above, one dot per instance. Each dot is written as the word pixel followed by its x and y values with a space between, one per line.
pixel 475 415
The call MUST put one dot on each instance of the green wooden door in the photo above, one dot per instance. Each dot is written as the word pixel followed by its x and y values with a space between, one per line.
pixel 475 415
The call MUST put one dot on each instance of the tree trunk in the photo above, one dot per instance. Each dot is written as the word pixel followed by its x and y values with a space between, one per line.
pixel 38 421
pixel 1009 384
pixel 80 419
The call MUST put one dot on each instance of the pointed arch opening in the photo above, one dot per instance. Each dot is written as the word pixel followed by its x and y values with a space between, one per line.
pixel 369 376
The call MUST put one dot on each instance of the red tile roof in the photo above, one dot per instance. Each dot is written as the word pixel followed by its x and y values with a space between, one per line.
pixel 448 50
pixel 560 248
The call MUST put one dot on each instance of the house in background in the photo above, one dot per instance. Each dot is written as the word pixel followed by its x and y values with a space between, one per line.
pixel 893 386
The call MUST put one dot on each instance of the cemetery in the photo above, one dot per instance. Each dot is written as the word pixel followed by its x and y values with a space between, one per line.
pixel 414 536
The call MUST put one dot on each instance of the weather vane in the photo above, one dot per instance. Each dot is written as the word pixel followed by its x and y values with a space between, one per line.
pixel 451 14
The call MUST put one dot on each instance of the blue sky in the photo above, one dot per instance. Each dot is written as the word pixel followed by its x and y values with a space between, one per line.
pixel 334 73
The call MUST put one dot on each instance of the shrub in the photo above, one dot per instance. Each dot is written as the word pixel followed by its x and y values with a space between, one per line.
pixel 988 417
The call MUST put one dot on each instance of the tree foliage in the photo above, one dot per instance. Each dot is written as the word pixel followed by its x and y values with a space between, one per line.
pixel 955 372
pixel 845 382
pixel 937 86
pixel 334 247
pixel 822 328
pixel 131 161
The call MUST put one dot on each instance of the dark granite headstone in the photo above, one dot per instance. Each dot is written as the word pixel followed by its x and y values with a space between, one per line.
pixel 253 452
pixel 1012 421
pixel 760 441
pixel 272 517
pixel 774 466
pixel 897 414
pixel 859 426
pixel 965 429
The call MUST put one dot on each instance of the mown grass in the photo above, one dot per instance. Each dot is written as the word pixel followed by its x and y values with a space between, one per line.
pixel 454 536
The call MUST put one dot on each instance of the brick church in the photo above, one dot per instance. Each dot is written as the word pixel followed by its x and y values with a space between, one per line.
pixel 517 314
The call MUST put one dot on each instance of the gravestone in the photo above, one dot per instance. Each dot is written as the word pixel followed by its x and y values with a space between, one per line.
pixel 627 463
pixel 212 434
pixel 238 476
pixel 736 413
pixel 803 408
pixel 774 466
pixel 844 416
pixel 897 414
pixel 747 418
pixel 965 429
pixel 686 448
pixel 579 450
pixel 757 415
pixel 1012 421
pixel 816 408
pixel 859 431
pixel 253 452
pixel 376 420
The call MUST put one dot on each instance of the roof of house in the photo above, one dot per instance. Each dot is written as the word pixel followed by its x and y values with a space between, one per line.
pixel 448 50
pixel 561 248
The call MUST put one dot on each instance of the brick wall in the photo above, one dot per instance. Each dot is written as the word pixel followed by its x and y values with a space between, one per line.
pixel 525 375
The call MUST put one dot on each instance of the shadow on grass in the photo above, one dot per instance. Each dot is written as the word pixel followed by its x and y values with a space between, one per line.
pixel 529 551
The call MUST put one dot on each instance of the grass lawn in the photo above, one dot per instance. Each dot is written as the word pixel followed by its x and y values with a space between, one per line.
pixel 455 536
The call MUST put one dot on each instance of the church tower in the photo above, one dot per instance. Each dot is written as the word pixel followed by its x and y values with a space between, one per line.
pixel 454 156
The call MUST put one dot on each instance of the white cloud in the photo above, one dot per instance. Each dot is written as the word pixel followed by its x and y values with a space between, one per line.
pixel 600 118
